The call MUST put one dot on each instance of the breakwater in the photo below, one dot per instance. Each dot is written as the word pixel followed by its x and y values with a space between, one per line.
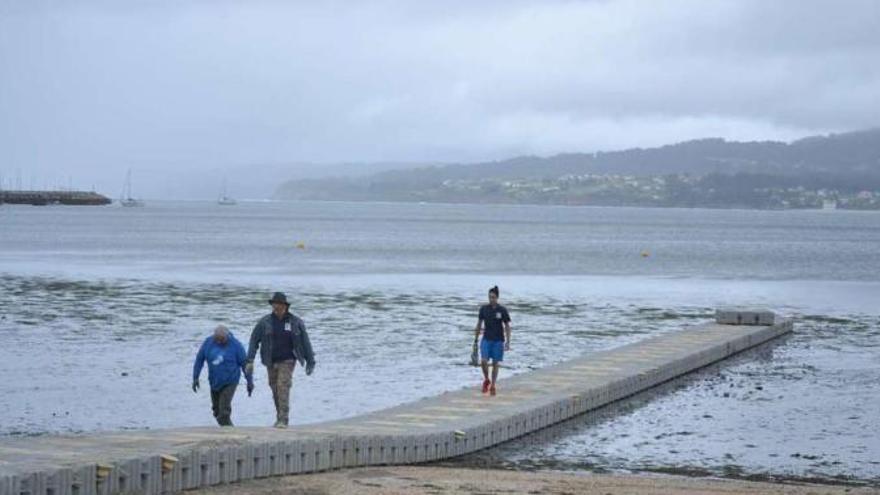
pixel 41 198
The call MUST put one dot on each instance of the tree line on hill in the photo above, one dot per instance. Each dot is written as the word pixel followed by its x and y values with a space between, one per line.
pixel 705 172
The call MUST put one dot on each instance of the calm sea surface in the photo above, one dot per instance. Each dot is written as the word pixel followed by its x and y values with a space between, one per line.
pixel 103 308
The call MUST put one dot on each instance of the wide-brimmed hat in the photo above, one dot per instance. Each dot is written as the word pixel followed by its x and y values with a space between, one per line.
pixel 279 297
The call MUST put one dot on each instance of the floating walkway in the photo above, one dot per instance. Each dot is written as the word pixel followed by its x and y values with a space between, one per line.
pixel 448 425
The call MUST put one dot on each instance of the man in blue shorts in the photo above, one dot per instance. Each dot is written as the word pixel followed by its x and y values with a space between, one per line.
pixel 494 320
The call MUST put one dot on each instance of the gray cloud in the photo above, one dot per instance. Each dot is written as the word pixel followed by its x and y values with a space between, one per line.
pixel 177 90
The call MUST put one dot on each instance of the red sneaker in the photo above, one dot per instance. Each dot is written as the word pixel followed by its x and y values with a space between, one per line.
pixel 486 384
pixel 492 390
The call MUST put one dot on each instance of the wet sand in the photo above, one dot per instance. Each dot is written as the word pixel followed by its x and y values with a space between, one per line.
pixel 440 480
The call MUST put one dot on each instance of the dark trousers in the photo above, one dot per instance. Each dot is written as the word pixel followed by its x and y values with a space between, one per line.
pixel 221 404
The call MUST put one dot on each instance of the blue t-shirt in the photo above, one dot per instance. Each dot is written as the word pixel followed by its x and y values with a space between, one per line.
pixel 494 319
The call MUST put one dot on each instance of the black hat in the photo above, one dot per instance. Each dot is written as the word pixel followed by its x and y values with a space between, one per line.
pixel 279 297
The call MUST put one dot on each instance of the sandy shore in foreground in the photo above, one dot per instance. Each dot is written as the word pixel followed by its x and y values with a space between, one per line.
pixel 440 481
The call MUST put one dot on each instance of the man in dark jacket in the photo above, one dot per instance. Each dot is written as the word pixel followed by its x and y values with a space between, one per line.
pixel 282 340
pixel 226 360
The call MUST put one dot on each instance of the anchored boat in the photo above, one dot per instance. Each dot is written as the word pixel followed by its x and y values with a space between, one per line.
pixel 127 200
pixel 224 199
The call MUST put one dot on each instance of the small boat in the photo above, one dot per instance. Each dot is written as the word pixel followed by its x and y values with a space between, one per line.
pixel 127 200
pixel 224 199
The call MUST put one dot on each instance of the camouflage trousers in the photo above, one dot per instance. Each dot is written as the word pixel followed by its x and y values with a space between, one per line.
pixel 280 381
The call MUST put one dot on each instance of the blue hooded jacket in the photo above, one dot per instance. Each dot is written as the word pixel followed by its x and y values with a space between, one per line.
pixel 225 362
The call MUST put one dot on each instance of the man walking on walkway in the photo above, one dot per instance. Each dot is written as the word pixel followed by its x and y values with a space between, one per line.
pixel 494 320
pixel 282 341
pixel 226 359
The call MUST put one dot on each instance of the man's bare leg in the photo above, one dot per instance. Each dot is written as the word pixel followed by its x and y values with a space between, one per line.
pixel 495 366
pixel 484 364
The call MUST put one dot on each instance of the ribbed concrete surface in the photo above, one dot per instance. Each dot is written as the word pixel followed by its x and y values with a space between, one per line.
pixel 448 425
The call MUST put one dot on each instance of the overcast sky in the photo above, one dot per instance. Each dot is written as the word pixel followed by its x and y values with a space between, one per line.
pixel 175 89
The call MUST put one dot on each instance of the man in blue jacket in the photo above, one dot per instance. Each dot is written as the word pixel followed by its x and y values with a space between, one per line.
pixel 226 360
pixel 282 340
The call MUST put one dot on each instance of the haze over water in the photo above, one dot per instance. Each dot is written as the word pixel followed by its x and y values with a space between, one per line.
pixel 102 310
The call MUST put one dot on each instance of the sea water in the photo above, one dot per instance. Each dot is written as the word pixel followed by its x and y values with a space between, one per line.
pixel 102 310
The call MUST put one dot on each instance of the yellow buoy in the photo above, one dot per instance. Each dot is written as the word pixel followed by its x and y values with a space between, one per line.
pixel 645 254
pixel 300 245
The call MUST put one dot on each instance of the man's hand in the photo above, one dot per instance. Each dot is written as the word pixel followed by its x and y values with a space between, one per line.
pixel 310 368
pixel 195 386
pixel 250 387
pixel 506 345
pixel 249 368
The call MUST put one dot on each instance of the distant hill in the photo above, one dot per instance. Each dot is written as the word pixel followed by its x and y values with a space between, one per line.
pixel 846 161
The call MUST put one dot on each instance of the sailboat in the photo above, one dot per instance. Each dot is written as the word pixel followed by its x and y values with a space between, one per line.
pixel 224 199
pixel 127 200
